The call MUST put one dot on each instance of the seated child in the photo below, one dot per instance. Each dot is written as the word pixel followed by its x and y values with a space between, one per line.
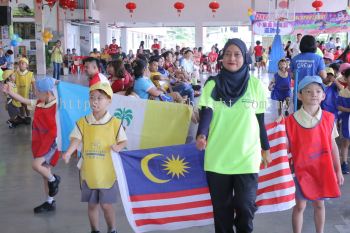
pixel 342 80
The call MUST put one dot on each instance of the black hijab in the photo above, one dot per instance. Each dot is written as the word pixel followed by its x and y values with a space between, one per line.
pixel 230 86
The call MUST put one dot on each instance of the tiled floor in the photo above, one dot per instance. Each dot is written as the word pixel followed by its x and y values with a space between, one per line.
pixel 21 190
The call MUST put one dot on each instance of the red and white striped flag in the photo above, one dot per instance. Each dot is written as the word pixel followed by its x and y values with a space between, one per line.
pixel 165 188
pixel 276 189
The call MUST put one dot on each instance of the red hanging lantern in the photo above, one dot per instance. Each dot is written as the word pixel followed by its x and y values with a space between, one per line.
pixel 64 4
pixel 72 5
pixel 317 4
pixel 214 5
pixel 51 3
pixel 283 4
pixel 131 6
pixel 179 6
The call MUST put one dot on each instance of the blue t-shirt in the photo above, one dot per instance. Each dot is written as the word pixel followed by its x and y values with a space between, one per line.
pixel 142 86
pixel 330 102
pixel 307 64
pixel 2 60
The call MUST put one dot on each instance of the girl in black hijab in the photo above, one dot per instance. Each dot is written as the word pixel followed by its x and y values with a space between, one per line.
pixel 231 123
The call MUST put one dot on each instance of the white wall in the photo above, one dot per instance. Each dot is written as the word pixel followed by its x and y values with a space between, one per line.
pixel 73 37
pixel 85 40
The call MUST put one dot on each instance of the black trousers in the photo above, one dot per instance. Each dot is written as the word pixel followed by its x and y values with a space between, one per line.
pixel 233 209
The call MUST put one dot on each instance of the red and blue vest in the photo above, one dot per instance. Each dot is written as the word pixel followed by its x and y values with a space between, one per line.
pixel 311 150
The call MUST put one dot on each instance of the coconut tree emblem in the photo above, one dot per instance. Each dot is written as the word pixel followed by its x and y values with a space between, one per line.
pixel 125 115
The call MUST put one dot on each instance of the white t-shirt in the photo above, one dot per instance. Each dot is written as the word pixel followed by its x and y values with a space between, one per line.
pixel 295 49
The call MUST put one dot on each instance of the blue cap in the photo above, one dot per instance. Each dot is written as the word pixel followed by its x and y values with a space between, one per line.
pixel 45 84
pixel 308 80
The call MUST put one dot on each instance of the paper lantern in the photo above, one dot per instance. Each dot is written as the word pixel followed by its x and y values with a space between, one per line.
pixel 131 6
pixel 64 4
pixel 283 4
pixel 317 4
pixel 214 6
pixel 179 6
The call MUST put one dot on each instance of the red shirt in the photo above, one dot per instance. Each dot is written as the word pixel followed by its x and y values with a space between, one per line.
pixel 44 133
pixel 311 150
pixel 155 46
pixel 113 49
pixel 213 56
pixel 98 77
pixel 197 57
pixel 258 50
pixel 122 84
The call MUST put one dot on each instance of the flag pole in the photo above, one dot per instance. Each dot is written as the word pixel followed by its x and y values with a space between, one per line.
pixel 295 95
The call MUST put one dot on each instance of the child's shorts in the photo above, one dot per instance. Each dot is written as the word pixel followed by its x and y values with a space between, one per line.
pixel 299 195
pixel 12 110
pixel 51 157
pixel 96 196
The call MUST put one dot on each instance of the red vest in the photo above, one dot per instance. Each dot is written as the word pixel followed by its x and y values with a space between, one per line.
pixel 44 132
pixel 311 150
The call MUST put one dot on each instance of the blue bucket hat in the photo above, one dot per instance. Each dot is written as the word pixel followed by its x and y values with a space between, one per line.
pixel 308 80
pixel 45 84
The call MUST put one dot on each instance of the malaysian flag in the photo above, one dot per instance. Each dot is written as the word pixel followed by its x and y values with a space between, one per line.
pixel 276 189
pixel 166 189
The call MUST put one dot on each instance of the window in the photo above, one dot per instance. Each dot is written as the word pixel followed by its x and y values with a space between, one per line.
pixel 24 30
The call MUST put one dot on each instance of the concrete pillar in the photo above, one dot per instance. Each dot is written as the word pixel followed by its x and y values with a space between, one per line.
pixel 39 43
pixel 251 27
pixel 124 39
pixel 198 35
pixel 103 34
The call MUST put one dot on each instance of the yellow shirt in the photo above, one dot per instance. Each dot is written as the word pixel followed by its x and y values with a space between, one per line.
pixel 308 121
pixel 91 120
pixel 97 167
pixel 23 82
pixel 14 102
pixel 57 55
pixel 105 56
pixel 158 83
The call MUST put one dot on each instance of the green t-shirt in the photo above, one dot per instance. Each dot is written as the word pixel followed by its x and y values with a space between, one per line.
pixel 233 145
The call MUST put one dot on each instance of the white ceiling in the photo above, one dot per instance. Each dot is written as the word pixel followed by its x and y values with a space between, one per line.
pixel 162 12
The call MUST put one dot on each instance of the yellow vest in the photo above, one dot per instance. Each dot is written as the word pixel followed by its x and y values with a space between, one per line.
pixel 15 102
pixel 23 83
pixel 97 169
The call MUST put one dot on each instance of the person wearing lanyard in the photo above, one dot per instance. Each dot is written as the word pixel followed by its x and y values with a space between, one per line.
pixel 233 134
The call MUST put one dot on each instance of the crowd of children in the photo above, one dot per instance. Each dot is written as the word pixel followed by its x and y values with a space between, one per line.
pixel 160 77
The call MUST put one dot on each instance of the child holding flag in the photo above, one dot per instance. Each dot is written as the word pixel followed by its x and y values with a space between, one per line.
pixel 44 134
pixel 100 133
pixel 315 163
